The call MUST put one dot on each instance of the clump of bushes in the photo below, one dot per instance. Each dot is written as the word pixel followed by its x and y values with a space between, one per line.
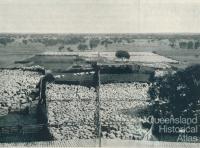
pixel 5 40
pixel 82 47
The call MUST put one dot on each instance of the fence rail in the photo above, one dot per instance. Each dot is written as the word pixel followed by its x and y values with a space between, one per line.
pixel 32 128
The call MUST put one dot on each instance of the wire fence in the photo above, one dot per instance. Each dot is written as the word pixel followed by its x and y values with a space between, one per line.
pixel 112 117
pixel 91 118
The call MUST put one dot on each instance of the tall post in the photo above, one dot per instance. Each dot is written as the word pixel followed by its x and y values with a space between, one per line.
pixel 98 106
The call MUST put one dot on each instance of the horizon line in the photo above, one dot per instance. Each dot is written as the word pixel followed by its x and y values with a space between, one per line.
pixel 132 33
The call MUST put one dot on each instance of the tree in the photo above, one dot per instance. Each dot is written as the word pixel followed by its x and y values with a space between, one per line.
pixel 155 52
pixel 93 43
pixel 172 43
pixel 5 40
pixel 106 42
pixel 183 45
pixel 50 42
pixel 25 42
pixel 69 49
pixel 73 39
pixel 179 91
pixel 60 48
pixel 190 45
pixel 122 54
pixel 82 47
pixel 196 45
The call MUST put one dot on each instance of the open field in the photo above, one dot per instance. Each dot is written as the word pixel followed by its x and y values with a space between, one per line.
pixel 143 57
pixel 62 61
pixel 180 47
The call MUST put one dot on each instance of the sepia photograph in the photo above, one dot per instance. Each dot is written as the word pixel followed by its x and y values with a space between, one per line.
pixel 100 73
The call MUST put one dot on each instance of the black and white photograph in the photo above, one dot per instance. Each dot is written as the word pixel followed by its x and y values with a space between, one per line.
pixel 100 73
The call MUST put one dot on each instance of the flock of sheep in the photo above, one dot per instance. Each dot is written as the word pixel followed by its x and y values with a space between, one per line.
pixel 72 109
pixel 16 87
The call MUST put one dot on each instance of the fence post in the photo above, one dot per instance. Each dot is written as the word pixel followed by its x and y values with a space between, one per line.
pixel 98 105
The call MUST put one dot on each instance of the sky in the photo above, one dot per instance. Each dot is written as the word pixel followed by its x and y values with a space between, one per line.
pixel 99 16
